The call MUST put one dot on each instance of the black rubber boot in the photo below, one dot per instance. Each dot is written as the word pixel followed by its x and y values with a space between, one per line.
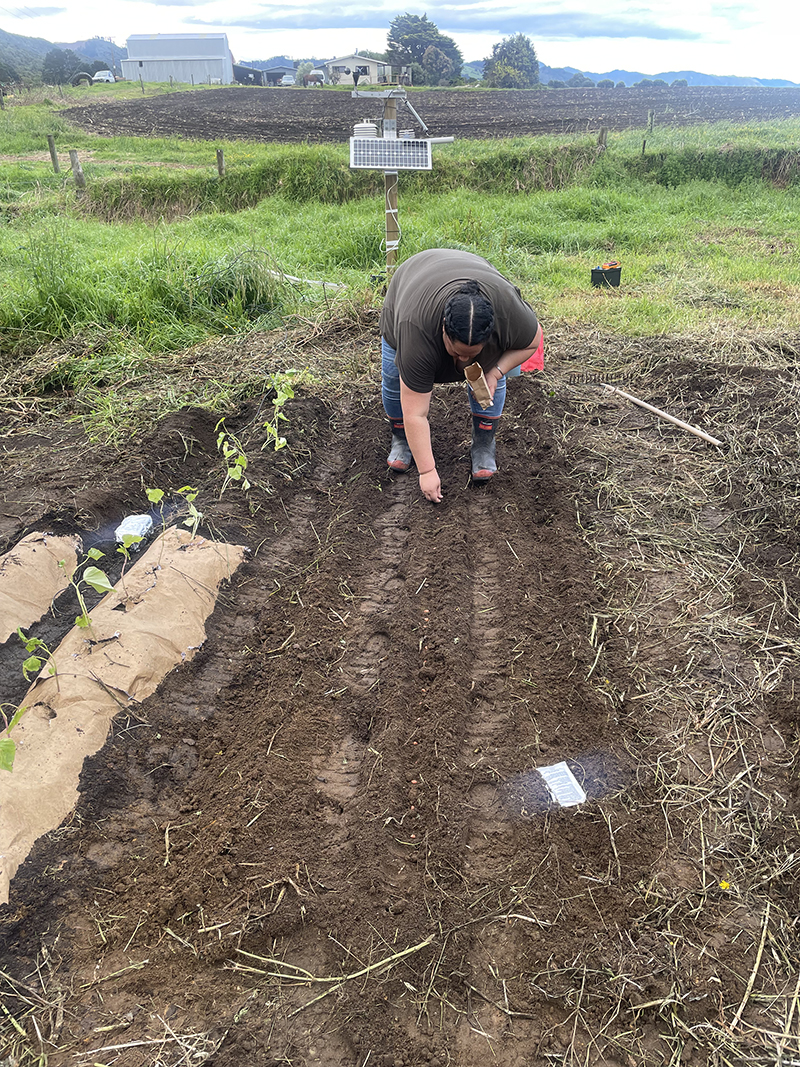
pixel 484 465
pixel 399 458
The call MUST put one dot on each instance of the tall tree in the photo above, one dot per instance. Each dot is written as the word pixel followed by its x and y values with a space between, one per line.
pixel 437 66
pixel 60 64
pixel 512 64
pixel 8 73
pixel 411 35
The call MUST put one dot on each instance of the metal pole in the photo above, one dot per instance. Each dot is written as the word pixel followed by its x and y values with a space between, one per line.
pixel 51 144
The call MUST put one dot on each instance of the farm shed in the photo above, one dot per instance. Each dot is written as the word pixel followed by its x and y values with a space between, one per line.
pixel 248 75
pixel 273 75
pixel 186 57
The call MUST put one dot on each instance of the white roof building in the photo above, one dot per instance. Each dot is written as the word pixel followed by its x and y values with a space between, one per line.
pixel 377 73
pixel 197 58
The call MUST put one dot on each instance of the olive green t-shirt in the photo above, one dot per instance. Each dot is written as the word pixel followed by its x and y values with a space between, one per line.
pixel 413 314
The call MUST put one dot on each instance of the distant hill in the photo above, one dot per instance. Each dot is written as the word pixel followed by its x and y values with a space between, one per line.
pixel 24 54
pixel 693 77
pixel 99 49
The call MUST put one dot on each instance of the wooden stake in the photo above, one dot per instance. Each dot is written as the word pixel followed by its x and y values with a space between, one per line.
pixel 663 415
pixel 602 140
pixel 221 163
pixel 51 144
pixel 77 169
pixel 390 191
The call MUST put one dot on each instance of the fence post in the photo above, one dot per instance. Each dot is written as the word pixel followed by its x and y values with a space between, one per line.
pixel 142 84
pixel 170 81
pixel 221 163
pixel 650 117
pixel 2 101
pixel 77 169
pixel 602 140
pixel 51 144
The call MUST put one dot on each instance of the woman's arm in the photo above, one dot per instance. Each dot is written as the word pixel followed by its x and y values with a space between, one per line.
pixel 514 357
pixel 418 434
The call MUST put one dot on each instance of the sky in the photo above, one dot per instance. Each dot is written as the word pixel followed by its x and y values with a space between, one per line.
pixel 750 38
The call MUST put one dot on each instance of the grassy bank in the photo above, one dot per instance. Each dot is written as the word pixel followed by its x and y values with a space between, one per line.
pixel 159 254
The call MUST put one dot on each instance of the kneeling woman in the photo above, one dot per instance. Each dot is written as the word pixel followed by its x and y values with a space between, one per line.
pixel 444 311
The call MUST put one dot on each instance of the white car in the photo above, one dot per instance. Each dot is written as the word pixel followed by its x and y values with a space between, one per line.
pixel 103 76
pixel 287 79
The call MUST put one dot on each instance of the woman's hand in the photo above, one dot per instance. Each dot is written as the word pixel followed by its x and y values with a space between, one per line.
pixel 431 486
pixel 492 376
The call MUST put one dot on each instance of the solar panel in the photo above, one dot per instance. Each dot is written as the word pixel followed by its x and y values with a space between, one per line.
pixel 382 153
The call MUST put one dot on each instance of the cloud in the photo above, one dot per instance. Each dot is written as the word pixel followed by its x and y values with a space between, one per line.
pixel 184 3
pixel 34 12
pixel 570 25
pixel 469 18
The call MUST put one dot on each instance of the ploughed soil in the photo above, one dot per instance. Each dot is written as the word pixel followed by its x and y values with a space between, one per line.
pixel 325 840
pixel 323 115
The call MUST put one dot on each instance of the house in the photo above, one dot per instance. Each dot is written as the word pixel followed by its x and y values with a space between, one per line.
pixel 198 58
pixel 373 71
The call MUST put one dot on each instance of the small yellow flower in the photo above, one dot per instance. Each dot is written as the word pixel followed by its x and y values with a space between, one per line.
pixel 724 885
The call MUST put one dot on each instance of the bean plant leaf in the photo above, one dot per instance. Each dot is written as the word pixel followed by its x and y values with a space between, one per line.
pixel 97 579
pixel 94 553
pixel 155 496
pixel 8 750
pixel 32 665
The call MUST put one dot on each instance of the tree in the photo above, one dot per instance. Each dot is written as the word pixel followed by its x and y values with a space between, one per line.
pixel 679 83
pixel 605 83
pixel 512 64
pixel 7 73
pixel 411 35
pixel 437 66
pixel 620 85
pixel 556 83
pixel 580 81
pixel 61 63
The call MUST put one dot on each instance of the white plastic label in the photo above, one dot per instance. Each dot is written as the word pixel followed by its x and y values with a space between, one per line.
pixel 135 526
pixel 563 784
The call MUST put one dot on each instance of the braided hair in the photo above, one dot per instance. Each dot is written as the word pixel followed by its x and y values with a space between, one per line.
pixel 469 315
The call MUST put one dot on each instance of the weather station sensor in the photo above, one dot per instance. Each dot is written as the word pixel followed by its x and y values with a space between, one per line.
pixel 391 153
pixel 383 153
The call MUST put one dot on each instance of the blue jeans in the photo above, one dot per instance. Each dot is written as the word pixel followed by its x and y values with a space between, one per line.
pixel 390 389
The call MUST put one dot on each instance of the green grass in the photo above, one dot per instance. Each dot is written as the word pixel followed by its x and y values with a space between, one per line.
pixel 698 256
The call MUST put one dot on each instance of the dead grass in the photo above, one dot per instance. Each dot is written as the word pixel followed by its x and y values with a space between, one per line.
pixel 705 616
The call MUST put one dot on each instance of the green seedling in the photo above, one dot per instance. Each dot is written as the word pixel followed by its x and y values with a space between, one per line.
pixel 282 384
pixel 91 576
pixel 8 747
pixel 128 541
pixel 42 654
pixel 234 455
pixel 189 494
